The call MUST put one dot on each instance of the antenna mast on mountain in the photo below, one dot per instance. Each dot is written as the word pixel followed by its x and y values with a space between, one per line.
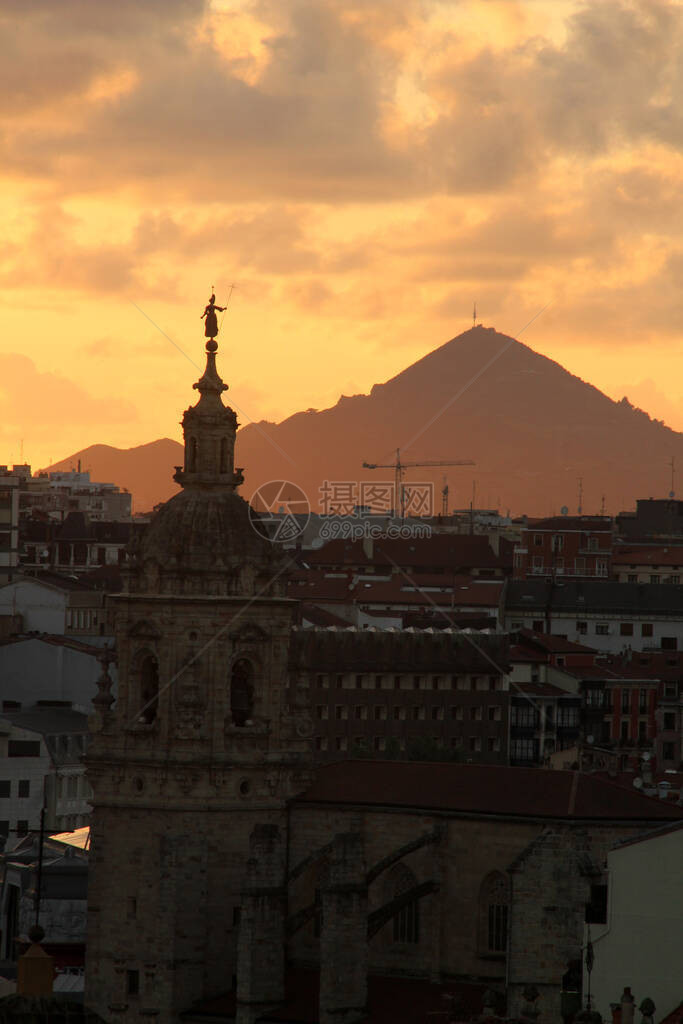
pixel 672 492
pixel 474 315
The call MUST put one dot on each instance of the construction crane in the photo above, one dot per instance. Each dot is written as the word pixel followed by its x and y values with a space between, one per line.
pixel 399 469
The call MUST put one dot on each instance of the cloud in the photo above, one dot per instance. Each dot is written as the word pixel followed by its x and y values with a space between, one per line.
pixel 33 401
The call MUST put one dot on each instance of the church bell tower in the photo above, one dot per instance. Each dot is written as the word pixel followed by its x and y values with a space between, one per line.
pixel 200 747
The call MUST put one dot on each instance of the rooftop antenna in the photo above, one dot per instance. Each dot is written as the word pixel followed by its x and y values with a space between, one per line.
pixel 579 509
pixel 474 315
pixel 602 506
pixel 672 492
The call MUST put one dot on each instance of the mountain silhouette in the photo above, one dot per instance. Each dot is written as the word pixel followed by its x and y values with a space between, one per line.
pixel 146 470
pixel 533 429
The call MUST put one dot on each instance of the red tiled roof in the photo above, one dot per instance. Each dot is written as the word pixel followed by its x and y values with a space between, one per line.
pixel 442 549
pixel 649 556
pixel 482 789
pixel 554 644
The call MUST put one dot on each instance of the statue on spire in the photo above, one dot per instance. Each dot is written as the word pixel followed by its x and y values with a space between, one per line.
pixel 211 325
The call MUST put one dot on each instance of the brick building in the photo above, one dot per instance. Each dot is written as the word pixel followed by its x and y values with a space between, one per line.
pixel 574 547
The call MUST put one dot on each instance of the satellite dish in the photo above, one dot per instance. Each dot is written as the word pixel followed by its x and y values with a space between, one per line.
pixel 672 494
pixel 638 783
pixel 564 510
pixel 646 756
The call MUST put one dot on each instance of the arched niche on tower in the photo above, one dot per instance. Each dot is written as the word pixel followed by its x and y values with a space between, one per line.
pixel 192 454
pixel 144 692
pixel 242 674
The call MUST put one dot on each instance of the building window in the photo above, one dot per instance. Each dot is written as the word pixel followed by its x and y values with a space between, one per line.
pixel 133 983
pixel 359 682
pixel 669 643
pixel 655 578
pixel 379 743
pixel 23 748
pixel 642 702
pixel 625 701
pixel 494 901
pixel 24 788
pixel 5 788
pixel 22 827
pixel 567 717
pixel 397 682
pixel 668 751
pixel 341 743
pixel 582 627
pixel 493 744
pixel 495 713
pixel 457 712
pixel 322 711
pixel 626 629
pixel 475 744
pixel 437 714
pixel 524 750
pixel 524 716
pixel 646 629
pixel 624 731
pixel 380 712
pixel 538 540
pixel 537 625
pixel 669 721
pixel 558 542
pixel 601 629
pixel 632 577
pixel 341 712
pixel 360 711
pixel 417 682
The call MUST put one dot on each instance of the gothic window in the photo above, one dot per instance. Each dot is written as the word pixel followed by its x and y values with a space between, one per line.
pixel 224 455
pixel 406 922
pixel 241 692
pixel 149 689
pixel 494 902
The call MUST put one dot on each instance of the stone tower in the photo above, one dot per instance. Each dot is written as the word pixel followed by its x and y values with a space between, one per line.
pixel 200 749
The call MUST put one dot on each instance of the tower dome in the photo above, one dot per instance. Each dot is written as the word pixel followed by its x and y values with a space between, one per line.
pixel 202 540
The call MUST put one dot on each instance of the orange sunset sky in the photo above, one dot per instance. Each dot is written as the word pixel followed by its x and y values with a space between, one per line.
pixel 362 170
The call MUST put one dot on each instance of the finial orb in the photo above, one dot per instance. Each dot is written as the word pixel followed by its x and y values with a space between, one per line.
pixel 212 345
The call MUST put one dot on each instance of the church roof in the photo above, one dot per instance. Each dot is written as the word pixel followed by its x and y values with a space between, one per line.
pixel 473 790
